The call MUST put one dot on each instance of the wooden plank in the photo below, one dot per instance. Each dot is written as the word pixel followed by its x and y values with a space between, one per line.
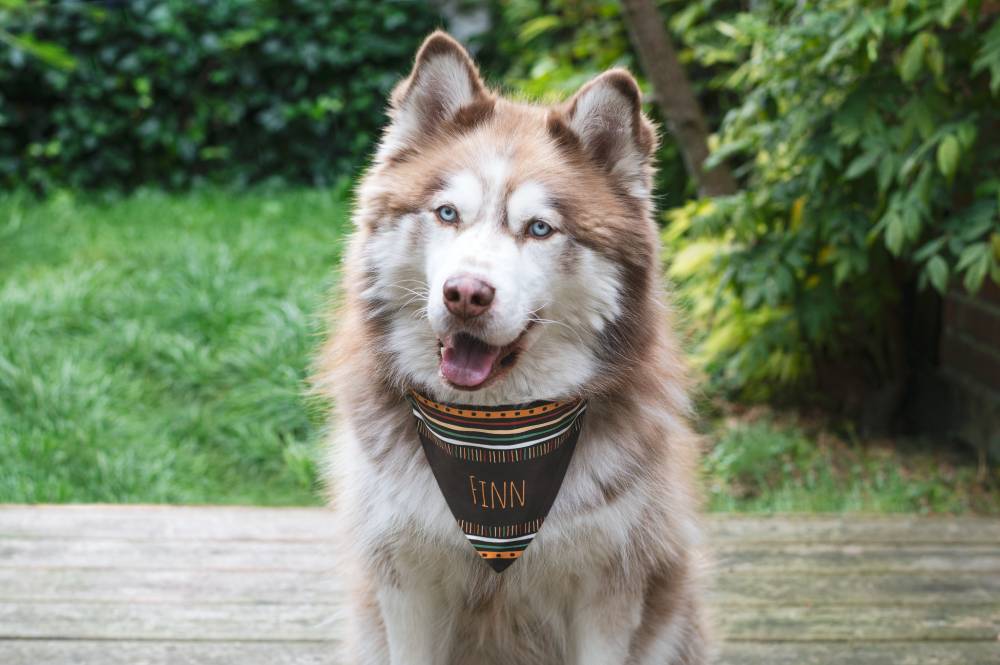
pixel 166 555
pixel 871 623
pixel 852 529
pixel 165 522
pixel 936 589
pixel 167 621
pixel 38 652
pixel 231 621
pixel 319 586
pixel 310 524
pixel 839 653
pixel 284 555
pixel 152 586
pixel 825 559
pixel 35 652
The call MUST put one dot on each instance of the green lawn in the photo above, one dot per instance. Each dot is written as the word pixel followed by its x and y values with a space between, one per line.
pixel 154 349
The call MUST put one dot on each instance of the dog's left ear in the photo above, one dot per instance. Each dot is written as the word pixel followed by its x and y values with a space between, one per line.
pixel 606 117
pixel 443 85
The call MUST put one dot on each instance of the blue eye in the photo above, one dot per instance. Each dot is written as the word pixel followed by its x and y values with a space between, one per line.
pixel 447 214
pixel 540 229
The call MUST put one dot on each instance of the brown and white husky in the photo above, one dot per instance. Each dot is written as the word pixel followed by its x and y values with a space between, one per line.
pixel 505 252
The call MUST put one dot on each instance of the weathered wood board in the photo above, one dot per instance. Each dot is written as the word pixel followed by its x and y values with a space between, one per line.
pixel 112 585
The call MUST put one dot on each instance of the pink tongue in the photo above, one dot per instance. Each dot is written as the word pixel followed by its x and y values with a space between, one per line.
pixel 467 361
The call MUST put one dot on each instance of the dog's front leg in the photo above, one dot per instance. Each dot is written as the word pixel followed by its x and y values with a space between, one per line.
pixel 603 625
pixel 418 624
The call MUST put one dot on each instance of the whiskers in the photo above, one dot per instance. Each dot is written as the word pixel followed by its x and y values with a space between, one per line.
pixel 419 294
pixel 535 318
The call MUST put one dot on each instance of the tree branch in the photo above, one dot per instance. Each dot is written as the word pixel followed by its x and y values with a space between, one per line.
pixel 674 95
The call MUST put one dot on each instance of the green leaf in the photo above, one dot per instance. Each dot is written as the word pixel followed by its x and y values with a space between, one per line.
pixel 976 272
pixel 935 61
pixel 886 172
pixel 51 54
pixel 948 153
pixel 923 119
pixel 950 10
pixel 536 27
pixel 895 233
pixel 841 271
pixel 931 248
pixel 937 272
pixel 695 257
pixel 969 256
pixel 989 57
pixel 913 58
pixel 861 164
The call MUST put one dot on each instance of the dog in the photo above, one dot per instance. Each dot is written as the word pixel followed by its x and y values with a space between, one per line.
pixel 505 252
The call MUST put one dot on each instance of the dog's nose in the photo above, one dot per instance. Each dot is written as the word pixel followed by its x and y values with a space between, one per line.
pixel 467 296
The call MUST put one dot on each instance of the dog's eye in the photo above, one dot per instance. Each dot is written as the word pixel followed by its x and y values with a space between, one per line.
pixel 447 214
pixel 539 229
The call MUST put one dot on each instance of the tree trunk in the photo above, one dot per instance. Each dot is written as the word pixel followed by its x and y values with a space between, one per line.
pixel 674 95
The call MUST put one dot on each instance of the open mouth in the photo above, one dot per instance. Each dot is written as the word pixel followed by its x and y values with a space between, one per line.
pixel 469 363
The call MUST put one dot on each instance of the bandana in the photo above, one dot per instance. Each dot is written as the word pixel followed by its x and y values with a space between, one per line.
pixel 499 467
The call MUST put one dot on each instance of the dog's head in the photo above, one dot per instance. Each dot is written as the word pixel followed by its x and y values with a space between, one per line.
pixel 505 251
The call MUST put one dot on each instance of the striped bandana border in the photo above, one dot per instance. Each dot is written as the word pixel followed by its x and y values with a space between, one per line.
pixel 499 467
pixel 497 434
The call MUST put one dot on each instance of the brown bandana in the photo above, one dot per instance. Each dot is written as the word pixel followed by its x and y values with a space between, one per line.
pixel 499 467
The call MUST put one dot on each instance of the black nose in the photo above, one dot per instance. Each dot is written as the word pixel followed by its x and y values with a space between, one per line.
pixel 467 297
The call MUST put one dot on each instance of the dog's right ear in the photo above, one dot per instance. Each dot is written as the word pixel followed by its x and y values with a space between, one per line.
pixel 443 83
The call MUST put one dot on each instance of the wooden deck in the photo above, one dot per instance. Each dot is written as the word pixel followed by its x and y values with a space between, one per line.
pixel 144 585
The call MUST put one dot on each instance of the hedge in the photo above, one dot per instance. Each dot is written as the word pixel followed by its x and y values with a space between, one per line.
pixel 176 91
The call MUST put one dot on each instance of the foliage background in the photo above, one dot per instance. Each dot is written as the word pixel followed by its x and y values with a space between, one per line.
pixel 864 136
pixel 174 92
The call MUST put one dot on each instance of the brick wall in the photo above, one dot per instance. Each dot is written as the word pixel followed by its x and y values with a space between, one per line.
pixel 970 360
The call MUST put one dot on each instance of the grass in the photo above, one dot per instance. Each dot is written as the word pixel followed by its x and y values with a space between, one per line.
pixel 762 466
pixel 154 348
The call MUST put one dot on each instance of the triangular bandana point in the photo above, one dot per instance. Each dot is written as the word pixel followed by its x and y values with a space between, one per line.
pixel 499 467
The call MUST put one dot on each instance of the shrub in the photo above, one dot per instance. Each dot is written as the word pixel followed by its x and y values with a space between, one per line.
pixel 173 91
pixel 868 141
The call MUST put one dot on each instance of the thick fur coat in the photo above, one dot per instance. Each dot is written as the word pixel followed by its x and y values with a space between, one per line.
pixel 466 182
